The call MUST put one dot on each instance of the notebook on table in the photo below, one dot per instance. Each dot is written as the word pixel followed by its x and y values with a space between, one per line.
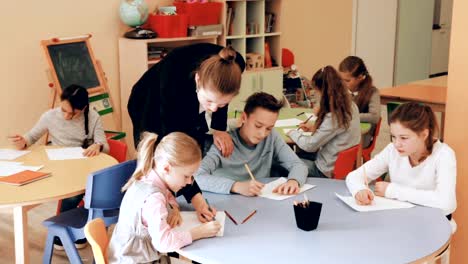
pixel 24 177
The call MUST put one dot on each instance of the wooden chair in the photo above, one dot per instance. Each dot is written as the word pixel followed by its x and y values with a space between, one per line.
pixel 345 162
pixel 96 234
pixel 366 152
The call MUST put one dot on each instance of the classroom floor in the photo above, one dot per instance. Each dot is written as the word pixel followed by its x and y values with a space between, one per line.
pixel 37 233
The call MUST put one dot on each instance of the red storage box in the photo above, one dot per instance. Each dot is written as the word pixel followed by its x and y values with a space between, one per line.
pixel 169 26
pixel 200 13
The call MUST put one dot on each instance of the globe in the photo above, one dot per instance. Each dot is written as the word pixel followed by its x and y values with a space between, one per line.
pixel 134 13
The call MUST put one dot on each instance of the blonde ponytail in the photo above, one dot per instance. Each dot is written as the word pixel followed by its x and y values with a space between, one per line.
pixel 145 162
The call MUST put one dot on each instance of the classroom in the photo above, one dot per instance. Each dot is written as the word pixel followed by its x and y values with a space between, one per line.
pixel 319 33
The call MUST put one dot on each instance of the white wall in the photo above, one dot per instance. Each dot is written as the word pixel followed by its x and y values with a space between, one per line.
pixel 374 40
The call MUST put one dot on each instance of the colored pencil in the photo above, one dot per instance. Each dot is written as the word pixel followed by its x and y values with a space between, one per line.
pixel 249 216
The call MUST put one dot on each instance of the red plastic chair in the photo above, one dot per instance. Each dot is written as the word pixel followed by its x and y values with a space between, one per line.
pixel 366 153
pixel 287 57
pixel 345 163
pixel 118 150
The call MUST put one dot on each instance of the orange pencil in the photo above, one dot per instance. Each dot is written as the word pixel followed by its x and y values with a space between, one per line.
pixel 249 216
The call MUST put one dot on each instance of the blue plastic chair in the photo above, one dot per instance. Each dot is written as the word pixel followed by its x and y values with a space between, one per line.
pixel 103 197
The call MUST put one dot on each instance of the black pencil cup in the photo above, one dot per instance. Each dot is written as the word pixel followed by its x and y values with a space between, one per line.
pixel 307 218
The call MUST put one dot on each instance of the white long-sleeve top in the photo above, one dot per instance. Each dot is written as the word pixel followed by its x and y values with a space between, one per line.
pixel 430 183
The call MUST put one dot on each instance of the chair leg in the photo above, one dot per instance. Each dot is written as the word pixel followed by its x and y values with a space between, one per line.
pixel 68 243
pixel 48 249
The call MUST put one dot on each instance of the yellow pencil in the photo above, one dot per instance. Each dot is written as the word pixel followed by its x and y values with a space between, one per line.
pixel 250 173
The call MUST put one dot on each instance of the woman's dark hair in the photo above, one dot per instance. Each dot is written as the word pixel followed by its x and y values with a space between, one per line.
pixel 221 72
pixel 263 100
pixel 335 99
pixel 417 117
pixel 356 67
pixel 78 98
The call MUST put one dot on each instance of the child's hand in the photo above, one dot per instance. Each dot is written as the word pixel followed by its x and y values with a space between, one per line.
pixel 174 218
pixel 223 142
pixel 307 127
pixel 92 150
pixel 364 197
pixel 289 187
pixel 248 188
pixel 205 214
pixel 18 141
pixel 380 188
pixel 209 229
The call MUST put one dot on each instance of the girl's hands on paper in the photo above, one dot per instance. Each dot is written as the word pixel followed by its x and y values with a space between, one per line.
pixel 174 218
pixel 18 140
pixel 204 214
pixel 380 188
pixel 92 150
pixel 209 229
pixel 223 142
pixel 364 197
pixel 248 188
pixel 289 187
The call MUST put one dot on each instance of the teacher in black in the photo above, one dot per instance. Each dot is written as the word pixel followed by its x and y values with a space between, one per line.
pixel 189 91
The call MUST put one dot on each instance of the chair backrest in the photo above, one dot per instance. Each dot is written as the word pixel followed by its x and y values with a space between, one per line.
pixel 103 188
pixel 117 149
pixel 96 234
pixel 374 138
pixel 287 57
pixel 345 162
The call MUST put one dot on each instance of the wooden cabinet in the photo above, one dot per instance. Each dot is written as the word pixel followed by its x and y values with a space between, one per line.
pixel 254 26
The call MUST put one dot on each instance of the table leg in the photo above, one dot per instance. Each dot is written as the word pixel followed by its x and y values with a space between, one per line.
pixel 20 218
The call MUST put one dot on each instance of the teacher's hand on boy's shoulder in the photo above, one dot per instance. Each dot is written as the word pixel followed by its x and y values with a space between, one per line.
pixel 247 188
pixel 289 187
pixel 92 150
pixel 223 142
pixel 381 188
pixel 18 141
pixel 364 197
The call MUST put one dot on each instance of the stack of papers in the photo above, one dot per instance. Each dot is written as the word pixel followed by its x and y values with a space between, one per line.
pixel 8 168
pixel 267 191
pixel 11 154
pixel 65 153
pixel 190 220
pixel 379 203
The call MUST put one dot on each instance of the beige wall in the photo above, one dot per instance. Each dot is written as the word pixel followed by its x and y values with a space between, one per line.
pixel 318 32
pixel 456 125
pixel 24 91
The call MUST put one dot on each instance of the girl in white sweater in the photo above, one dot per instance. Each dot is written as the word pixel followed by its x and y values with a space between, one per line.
pixel 422 169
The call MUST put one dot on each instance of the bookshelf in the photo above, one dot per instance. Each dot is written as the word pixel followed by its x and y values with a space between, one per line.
pixel 248 26
pixel 134 62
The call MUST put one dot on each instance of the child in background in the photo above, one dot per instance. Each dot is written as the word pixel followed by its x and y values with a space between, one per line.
pixel 337 126
pixel 149 210
pixel 257 144
pixel 422 169
pixel 356 78
pixel 72 124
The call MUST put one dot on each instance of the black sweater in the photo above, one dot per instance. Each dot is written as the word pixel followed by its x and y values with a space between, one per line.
pixel 164 100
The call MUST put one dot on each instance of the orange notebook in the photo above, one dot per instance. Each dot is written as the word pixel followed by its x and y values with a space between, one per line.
pixel 24 177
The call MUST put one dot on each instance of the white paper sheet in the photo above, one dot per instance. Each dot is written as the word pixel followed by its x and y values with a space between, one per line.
pixel 288 122
pixel 379 203
pixel 190 221
pixel 267 190
pixel 10 163
pixel 313 118
pixel 65 153
pixel 7 170
pixel 11 154
pixel 286 130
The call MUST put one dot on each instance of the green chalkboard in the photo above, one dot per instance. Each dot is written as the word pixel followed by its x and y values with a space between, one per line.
pixel 73 64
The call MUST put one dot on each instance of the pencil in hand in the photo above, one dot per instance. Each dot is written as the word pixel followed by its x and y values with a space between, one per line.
pixel 305 122
pixel 250 172
pixel 209 208
pixel 249 216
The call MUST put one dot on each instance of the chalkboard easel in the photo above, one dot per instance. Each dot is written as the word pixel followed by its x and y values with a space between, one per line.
pixel 71 61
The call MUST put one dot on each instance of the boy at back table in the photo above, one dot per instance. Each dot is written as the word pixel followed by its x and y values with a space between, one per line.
pixel 258 145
